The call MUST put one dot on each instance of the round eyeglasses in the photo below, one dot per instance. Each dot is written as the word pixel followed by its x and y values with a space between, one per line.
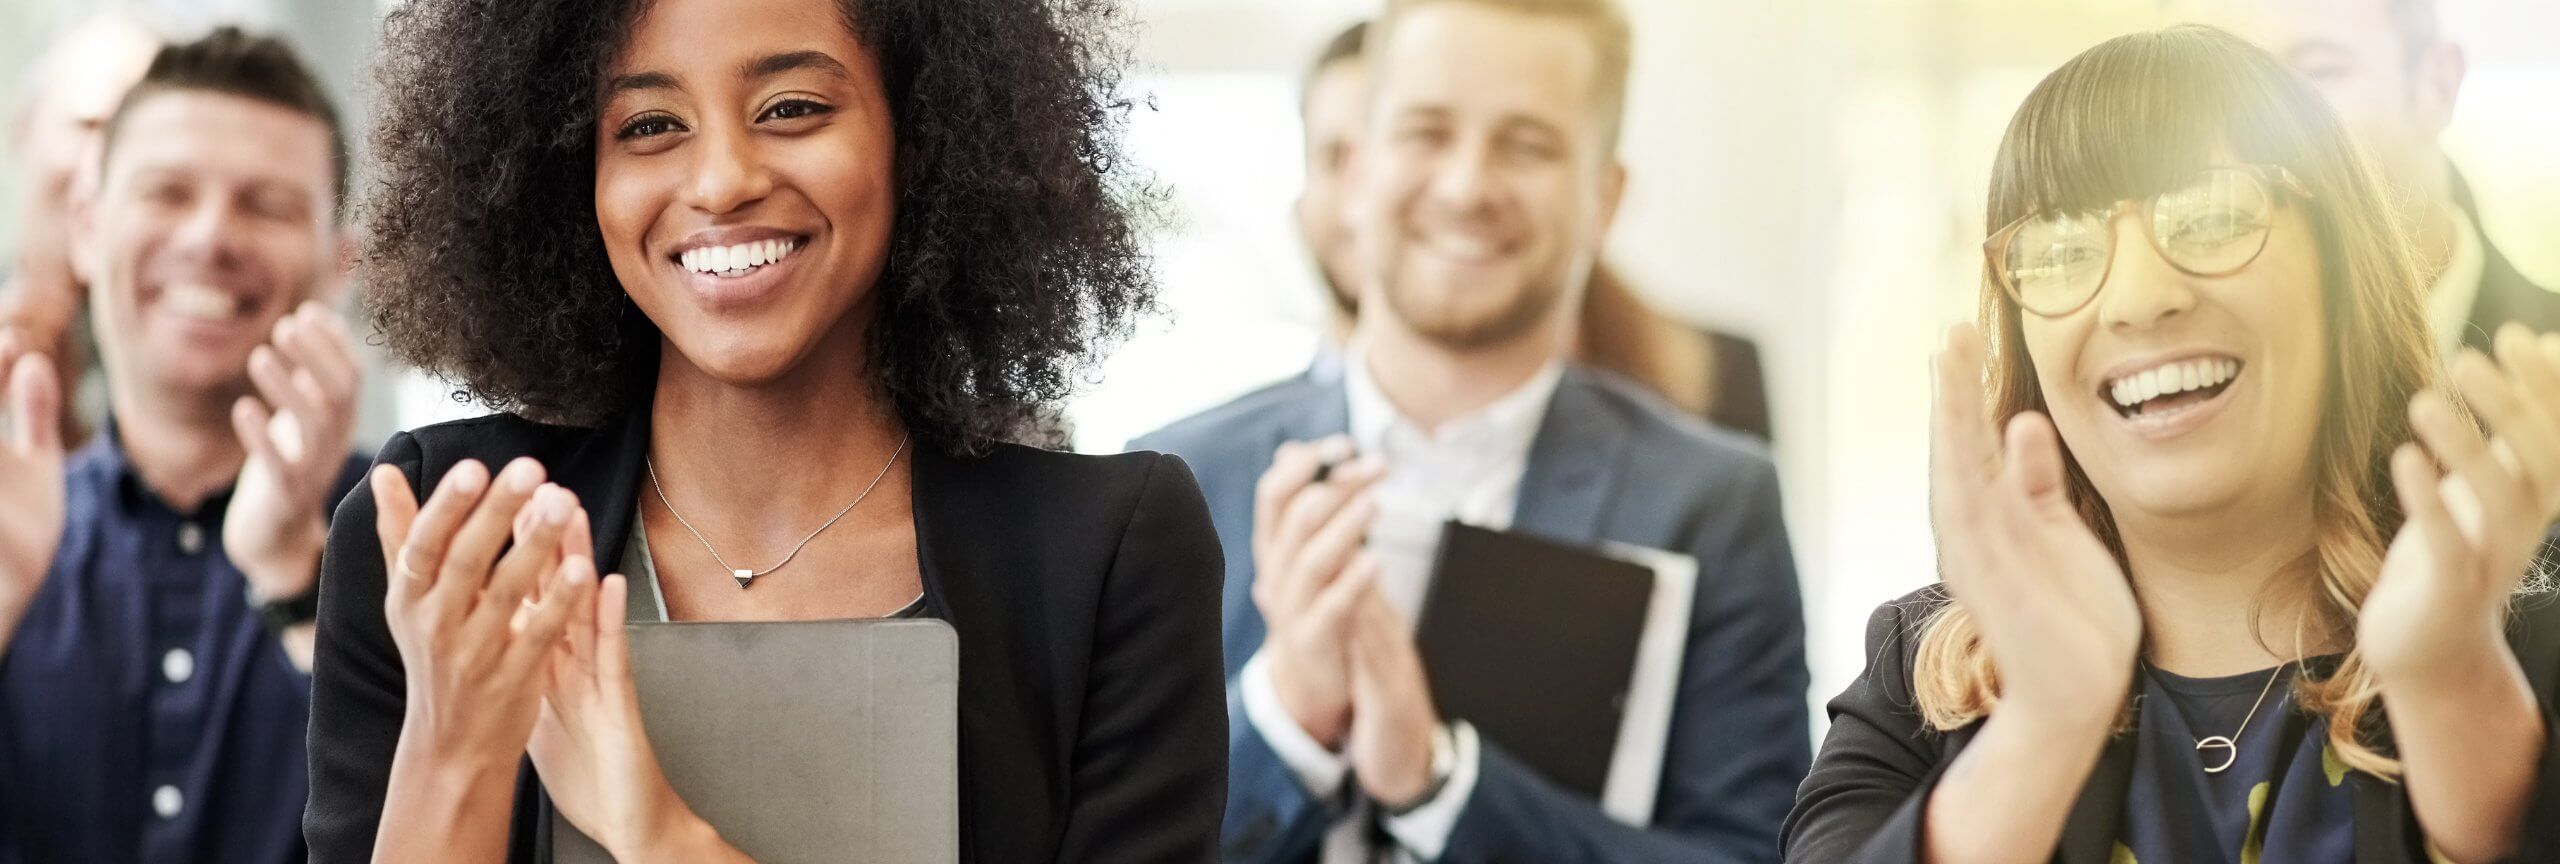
pixel 2214 224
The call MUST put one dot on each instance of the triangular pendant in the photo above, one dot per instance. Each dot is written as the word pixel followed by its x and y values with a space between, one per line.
pixel 743 577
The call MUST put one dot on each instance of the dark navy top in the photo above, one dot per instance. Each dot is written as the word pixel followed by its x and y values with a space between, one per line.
pixel 2284 800
pixel 145 713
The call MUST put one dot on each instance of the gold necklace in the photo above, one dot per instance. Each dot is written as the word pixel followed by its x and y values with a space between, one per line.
pixel 2230 745
pixel 744 575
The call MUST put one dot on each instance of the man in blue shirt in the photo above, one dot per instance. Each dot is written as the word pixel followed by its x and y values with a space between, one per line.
pixel 157 587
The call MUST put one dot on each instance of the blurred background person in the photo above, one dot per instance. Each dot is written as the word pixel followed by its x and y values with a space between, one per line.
pixel 1333 100
pixel 1708 373
pixel 2395 79
pixel 157 587
pixel 68 93
pixel 1485 181
pixel 1711 374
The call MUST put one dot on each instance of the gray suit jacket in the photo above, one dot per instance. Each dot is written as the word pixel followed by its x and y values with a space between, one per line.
pixel 1609 463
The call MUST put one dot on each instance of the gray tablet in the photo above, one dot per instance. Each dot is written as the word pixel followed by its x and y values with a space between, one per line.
pixel 804 741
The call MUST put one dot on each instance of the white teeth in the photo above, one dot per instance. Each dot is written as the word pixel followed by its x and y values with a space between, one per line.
pixel 197 301
pixel 1464 246
pixel 736 259
pixel 2170 379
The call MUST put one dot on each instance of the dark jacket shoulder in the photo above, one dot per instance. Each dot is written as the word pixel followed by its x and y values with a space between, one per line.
pixel 491 438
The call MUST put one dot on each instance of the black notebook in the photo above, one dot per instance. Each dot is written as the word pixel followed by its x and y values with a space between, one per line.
pixel 1534 643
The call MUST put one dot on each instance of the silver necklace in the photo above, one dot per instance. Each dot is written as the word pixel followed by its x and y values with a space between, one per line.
pixel 2230 746
pixel 746 576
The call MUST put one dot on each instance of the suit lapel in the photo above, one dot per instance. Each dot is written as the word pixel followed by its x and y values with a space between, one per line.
pixel 604 470
pixel 1574 464
pixel 1325 411
pixel 2382 832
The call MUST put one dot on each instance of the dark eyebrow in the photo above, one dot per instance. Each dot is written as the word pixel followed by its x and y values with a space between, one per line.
pixel 776 64
pixel 639 81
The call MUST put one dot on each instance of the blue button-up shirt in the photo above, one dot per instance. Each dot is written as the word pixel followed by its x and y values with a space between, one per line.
pixel 145 713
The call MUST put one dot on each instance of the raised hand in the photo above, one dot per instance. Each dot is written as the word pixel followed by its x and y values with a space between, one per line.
pixel 473 640
pixel 2471 534
pixel 1392 716
pixel 31 478
pixel 296 431
pixel 1309 572
pixel 593 754
pixel 2051 604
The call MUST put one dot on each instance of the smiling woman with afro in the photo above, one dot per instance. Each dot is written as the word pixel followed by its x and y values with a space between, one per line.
pixel 771 296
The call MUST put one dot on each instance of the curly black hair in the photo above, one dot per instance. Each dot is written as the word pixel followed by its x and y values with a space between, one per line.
pixel 1014 263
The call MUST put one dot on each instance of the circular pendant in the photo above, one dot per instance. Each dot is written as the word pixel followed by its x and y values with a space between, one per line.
pixel 2230 753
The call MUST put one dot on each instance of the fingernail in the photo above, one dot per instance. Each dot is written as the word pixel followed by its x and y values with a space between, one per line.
pixel 549 508
pixel 519 476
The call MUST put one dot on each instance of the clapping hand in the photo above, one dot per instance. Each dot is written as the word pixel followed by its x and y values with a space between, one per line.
pixel 1310 572
pixel 475 628
pixel 2051 604
pixel 2472 528
pixel 31 477
pixel 296 431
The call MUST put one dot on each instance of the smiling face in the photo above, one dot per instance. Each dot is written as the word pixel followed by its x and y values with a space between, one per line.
pixel 214 218
pixel 2181 395
pixel 1486 181
pixel 743 181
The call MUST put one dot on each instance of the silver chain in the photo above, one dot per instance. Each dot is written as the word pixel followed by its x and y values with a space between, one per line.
pixel 795 550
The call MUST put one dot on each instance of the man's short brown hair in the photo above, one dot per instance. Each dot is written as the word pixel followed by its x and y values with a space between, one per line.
pixel 234 62
pixel 1599 20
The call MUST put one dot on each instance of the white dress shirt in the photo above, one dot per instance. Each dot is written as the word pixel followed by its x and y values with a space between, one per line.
pixel 1468 470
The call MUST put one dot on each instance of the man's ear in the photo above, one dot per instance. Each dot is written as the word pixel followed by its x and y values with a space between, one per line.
pixel 82 234
pixel 332 289
pixel 1613 189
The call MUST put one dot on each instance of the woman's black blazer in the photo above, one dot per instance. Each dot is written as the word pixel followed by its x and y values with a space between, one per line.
pixel 1864 801
pixel 1084 590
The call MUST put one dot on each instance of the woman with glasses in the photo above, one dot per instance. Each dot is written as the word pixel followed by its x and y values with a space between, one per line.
pixel 2227 577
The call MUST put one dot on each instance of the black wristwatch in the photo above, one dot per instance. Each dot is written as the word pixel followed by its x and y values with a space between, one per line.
pixel 283 612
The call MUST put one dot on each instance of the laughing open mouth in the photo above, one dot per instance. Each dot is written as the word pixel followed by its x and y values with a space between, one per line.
pixel 2171 386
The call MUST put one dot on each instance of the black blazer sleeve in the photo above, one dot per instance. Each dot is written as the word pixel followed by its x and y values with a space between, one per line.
pixel 358 685
pixel 2533 630
pixel 1863 801
pixel 1149 767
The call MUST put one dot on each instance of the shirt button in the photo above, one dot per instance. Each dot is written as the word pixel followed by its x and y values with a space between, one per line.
pixel 177 665
pixel 167 802
pixel 190 538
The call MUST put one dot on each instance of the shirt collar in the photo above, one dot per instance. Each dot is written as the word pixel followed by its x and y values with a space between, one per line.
pixel 104 455
pixel 2457 288
pixel 1506 426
